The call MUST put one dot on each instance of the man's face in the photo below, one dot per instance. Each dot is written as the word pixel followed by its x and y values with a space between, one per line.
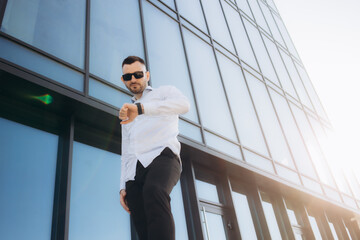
pixel 136 86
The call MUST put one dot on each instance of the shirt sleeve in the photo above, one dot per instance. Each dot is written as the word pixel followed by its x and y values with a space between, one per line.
pixel 173 103
pixel 124 155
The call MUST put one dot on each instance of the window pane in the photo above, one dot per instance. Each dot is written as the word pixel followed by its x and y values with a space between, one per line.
pixel 312 145
pixel 40 64
pixel 247 125
pixel 270 218
pixel 166 55
pixel 258 14
pixel 107 94
pixel 216 22
pixel 279 67
pixel 207 191
pixel 27 179
pixel 271 22
pixel 191 10
pixel 214 223
pixel 53 26
pixel 292 134
pixel 240 38
pixel 332 228
pixel 259 161
pixel 177 209
pixel 244 219
pixel 273 133
pixel 189 130
pixel 208 87
pixel 310 89
pixel 114 37
pixel 315 227
pixel 95 211
pixel 244 6
pixel 286 36
pixel 260 52
pixel 222 145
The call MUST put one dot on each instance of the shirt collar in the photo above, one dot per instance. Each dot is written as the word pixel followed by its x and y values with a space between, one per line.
pixel 146 90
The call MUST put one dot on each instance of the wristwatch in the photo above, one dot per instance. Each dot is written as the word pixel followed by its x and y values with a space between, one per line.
pixel 139 108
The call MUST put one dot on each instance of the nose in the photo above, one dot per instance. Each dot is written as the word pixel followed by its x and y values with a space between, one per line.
pixel 133 79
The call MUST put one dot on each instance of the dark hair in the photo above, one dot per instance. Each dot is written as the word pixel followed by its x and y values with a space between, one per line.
pixel 132 59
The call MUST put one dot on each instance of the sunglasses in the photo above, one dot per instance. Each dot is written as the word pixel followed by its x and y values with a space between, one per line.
pixel 137 75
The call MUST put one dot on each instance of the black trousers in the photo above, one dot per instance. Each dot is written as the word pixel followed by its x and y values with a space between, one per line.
pixel 148 197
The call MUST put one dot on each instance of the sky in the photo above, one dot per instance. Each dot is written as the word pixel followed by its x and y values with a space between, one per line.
pixel 326 34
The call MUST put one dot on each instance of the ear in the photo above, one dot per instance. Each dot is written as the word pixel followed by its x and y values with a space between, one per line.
pixel 122 80
pixel 147 76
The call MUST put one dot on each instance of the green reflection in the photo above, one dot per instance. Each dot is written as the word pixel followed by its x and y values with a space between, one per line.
pixel 46 98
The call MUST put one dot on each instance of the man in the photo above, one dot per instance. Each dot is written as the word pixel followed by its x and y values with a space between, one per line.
pixel 151 165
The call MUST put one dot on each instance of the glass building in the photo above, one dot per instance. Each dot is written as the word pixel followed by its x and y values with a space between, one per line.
pixel 254 144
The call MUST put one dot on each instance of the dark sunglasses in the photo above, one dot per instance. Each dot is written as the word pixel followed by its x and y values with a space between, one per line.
pixel 137 75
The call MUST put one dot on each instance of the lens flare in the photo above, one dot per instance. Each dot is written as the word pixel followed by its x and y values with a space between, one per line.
pixel 46 98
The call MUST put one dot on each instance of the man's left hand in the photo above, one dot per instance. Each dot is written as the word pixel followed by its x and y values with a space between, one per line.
pixel 128 113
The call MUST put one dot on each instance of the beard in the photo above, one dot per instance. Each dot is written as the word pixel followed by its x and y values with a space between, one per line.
pixel 139 88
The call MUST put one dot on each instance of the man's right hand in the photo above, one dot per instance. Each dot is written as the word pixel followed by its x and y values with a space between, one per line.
pixel 122 200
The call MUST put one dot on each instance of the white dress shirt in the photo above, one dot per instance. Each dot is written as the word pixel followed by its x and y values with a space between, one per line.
pixel 149 134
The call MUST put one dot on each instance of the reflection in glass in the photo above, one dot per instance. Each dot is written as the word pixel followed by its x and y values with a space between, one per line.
pixel 208 87
pixel 115 33
pixel 50 25
pixel 27 180
pixel 166 55
pixel 332 228
pixel 189 130
pixel 260 52
pixel 177 209
pixel 312 145
pixel 216 22
pixel 191 10
pixel 107 94
pixel 207 191
pixel 244 6
pixel 293 136
pixel 213 226
pixel 270 217
pixel 314 227
pixel 240 38
pixel 258 14
pixel 95 211
pixel 222 145
pixel 40 64
pixel 273 133
pixel 240 102
pixel 244 219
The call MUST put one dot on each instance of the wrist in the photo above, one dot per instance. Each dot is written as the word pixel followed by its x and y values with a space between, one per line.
pixel 140 108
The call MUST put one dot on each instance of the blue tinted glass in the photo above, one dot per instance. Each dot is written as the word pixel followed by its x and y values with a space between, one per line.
pixel 189 130
pixel 107 94
pixel 271 22
pixel 207 191
pixel 240 38
pixel 56 27
pixel 27 178
pixel 191 10
pixel 247 124
pixel 40 64
pixel 170 3
pixel 217 25
pixel 208 87
pixel 95 210
pixel 166 55
pixel 244 6
pixel 273 133
pixel 177 209
pixel 115 33
pixel 222 145
pixel 244 219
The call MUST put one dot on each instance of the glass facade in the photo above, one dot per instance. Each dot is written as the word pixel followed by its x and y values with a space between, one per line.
pixel 256 121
